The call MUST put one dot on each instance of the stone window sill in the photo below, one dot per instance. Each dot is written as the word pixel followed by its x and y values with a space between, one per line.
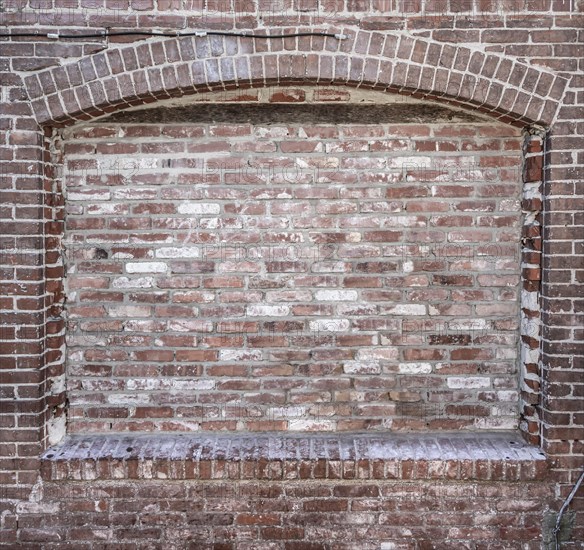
pixel 494 456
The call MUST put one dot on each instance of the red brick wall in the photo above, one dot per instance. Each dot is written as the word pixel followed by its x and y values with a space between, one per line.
pixel 521 61
pixel 292 515
pixel 292 276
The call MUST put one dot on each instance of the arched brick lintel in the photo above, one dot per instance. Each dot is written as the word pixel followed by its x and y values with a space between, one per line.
pixel 147 71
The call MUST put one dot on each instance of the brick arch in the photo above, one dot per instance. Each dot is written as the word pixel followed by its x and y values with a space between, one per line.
pixel 144 72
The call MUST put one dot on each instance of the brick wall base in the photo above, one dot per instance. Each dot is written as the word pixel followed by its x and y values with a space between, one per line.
pixel 285 515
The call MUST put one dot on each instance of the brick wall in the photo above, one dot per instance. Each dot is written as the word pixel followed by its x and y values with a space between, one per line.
pixel 520 62
pixel 293 515
pixel 292 276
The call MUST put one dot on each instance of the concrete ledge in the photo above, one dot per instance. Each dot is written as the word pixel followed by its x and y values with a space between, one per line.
pixel 500 456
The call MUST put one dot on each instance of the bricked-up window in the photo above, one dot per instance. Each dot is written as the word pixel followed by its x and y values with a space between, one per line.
pixel 302 268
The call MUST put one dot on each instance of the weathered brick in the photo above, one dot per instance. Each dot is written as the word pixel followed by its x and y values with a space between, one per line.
pixel 519 46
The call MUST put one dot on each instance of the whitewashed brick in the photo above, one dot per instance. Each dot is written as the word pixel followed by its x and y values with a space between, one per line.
pixel 496 423
pixel 505 353
pixel 470 382
pixel 362 367
pixel 404 221
pixel 361 308
pixel 128 255
pixel 504 409
pixel 529 300
pixel 129 311
pixel 178 252
pixel 146 267
pixel 311 425
pixel 384 354
pixel 146 384
pixel 406 309
pixel 329 325
pixel 411 163
pixel 289 296
pixel 193 384
pixel 415 368
pixel 331 267
pixel 38 508
pixel 476 324
pixel 285 412
pixel 529 355
pixel 144 325
pixel 336 295
pixel 199 208
pixel 188 325
pixel 258 310
pixel 507 395
pixel 106 208
pixel 128 398
pixel 85 339
pixel 240 355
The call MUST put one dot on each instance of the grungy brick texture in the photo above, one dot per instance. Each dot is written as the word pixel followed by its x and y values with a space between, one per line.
pixel 291 276
pixel 519 62
pixel 286 515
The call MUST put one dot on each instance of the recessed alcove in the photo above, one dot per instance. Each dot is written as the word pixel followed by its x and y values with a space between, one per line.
pixel 248 265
